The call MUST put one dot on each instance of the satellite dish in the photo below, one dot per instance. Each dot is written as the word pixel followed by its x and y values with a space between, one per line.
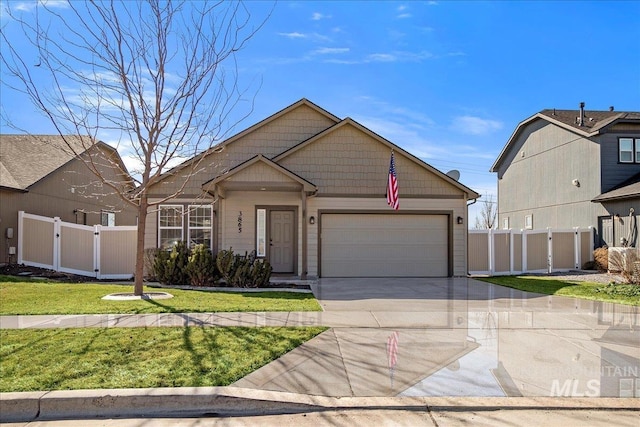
pixel 455 174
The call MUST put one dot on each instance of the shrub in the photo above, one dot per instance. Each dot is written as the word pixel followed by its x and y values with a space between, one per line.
pixel 601 258
pixel 150 255
pixel 260 273
pixel 171 267
pixel 243 271
pixel 201 268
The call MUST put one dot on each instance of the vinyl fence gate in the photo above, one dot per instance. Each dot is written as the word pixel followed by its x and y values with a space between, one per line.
pixel 95 251
pixel 507 252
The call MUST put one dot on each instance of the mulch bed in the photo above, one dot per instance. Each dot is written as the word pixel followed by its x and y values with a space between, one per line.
pixel 21 270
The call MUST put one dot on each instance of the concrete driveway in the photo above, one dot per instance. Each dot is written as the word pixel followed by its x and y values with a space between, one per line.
pixel 459 337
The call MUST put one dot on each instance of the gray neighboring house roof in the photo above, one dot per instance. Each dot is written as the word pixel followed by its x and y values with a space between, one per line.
pixel 26 159
pixel 629 189
pixel 594 123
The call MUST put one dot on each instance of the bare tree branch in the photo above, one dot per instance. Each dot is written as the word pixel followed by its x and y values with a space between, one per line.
pixel 161 73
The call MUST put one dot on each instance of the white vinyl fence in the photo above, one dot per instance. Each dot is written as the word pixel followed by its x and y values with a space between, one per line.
pixel 505 252
pixel 95 251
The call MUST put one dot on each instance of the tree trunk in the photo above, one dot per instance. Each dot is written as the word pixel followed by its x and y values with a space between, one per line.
pixel 142 222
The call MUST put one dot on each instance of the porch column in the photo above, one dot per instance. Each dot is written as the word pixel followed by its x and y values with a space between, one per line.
pixel 303 273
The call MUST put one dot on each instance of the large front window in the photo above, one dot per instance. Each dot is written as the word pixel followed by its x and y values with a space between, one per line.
pixel 170 225
pixel 200 225
pixel 629 150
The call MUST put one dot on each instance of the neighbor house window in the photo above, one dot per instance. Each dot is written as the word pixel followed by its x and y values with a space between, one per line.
pixel 528 222
pixel 170 225
pixel 200 220
pixel 505 223
pixel 261 232
pixel 629 150
pixel 108 219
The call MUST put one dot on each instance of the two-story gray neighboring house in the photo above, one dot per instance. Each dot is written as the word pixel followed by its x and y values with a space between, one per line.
pixel 572 168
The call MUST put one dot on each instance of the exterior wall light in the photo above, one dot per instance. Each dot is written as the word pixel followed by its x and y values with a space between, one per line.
pixel 312 220
pixel 460 220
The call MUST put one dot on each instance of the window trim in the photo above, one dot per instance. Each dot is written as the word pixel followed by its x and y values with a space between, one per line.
pixel 191 208
pixel 635 150
pixel 528 222
pixel 108 214
pixel 160 227
pixel 261 232
pixel 505 223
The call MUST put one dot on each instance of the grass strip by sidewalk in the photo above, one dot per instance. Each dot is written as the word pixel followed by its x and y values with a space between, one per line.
pixel 618 293
pixel 68 359
pixel 27 297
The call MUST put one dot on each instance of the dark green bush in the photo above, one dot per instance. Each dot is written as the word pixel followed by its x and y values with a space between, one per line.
pixel 201 268
pixel 243 271
pixel 171 267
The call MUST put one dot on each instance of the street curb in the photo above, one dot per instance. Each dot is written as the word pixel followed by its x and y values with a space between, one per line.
pixel 234 401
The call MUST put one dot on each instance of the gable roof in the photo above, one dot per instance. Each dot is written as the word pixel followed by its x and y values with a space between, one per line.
pixel 350 122
pixel 594 123
pixel 260 124
pixel 26 159
pixel 629 189
pixel 306 185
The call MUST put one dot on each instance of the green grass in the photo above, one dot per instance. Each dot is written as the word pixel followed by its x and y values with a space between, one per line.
pixel 18 296
pixel 93 358
pixel 619 293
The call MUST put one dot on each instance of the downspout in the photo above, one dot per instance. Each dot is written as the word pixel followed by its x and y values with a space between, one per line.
pixel 466 248
pixel 303 273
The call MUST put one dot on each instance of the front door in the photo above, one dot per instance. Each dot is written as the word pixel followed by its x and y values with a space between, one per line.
pixel 282 241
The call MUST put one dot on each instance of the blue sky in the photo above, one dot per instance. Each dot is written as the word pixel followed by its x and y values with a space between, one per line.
pixel 446 80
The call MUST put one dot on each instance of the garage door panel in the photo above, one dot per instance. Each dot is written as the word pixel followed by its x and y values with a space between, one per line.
pixel 380 245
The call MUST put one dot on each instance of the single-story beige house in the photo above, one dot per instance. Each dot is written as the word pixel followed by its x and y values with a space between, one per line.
pixel 42 175
pixel 307 191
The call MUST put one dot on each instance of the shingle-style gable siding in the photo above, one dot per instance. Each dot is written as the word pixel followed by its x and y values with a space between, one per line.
pixel 259 172
pixel 271 139
pixel 356 164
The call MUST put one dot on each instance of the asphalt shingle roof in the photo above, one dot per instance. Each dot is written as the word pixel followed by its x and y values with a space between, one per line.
pixel 26 159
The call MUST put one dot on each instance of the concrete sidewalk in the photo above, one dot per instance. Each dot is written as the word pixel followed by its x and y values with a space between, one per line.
pixel 234 402
pixel 456 336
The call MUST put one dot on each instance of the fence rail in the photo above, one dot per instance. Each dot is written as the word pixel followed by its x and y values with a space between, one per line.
pixel 95 251
pixel 505 252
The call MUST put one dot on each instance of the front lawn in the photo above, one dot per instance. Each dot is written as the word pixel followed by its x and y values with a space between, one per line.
pixel 619 293
pixel 19 296
pixel 90 358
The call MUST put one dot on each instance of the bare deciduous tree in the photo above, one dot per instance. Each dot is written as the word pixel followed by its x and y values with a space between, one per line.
pixel 487 217
pixel 159 77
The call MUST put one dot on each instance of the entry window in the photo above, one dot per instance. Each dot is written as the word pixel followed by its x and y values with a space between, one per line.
pixel 200 225
pixel 170 226
pixel 261 232
pixel 629 150
pixel 108 219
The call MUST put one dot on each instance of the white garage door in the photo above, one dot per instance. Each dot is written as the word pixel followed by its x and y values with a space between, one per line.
pixel 379 245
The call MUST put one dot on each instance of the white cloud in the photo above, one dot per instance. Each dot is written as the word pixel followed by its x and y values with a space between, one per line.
pixel 294 35
pixel 28 6
pixel 404 16
pixel 382 57
pixel 330 50
pixel 317 16
pixel 396 56
pixel 475 125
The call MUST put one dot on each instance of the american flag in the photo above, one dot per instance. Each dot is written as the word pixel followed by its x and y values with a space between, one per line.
pixel 392 185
